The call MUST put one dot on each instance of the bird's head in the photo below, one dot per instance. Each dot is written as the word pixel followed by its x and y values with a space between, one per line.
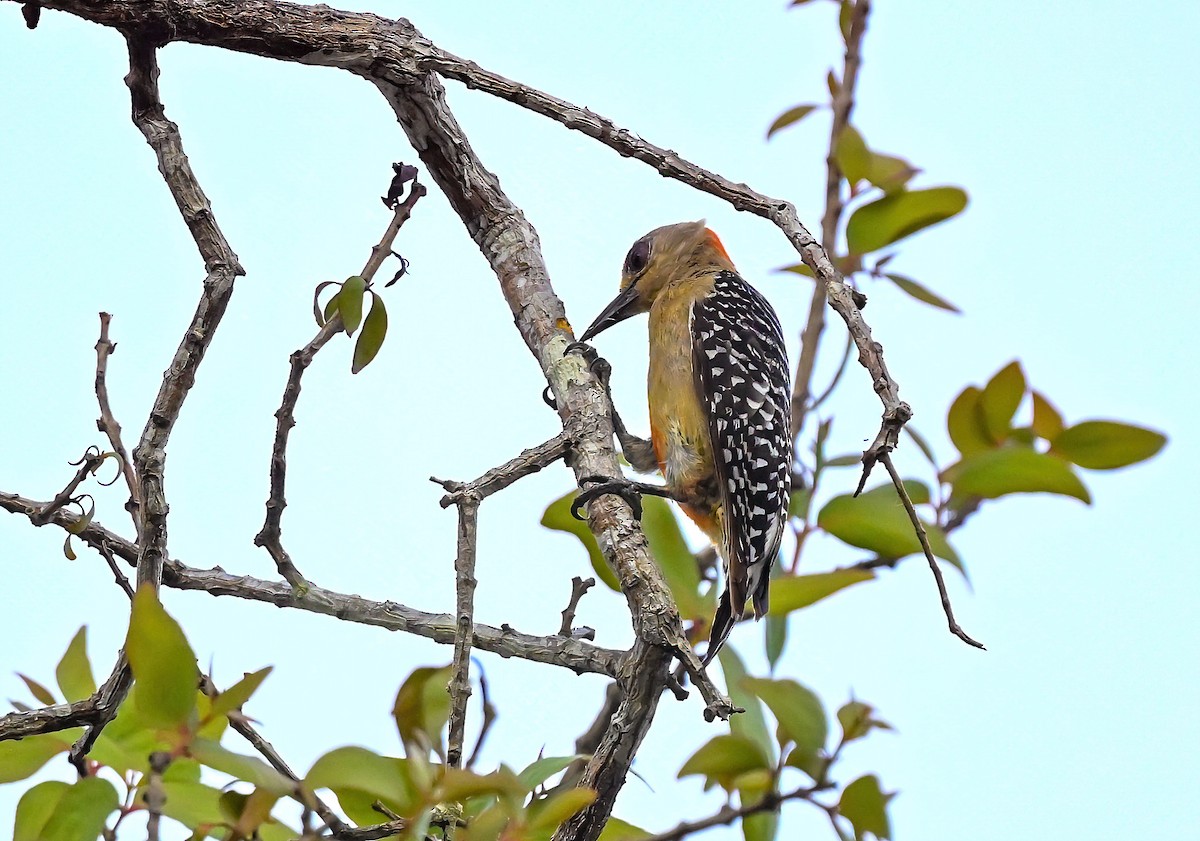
pixel 666 256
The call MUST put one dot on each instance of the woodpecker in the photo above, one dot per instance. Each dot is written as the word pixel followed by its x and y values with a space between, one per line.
pixel 719 405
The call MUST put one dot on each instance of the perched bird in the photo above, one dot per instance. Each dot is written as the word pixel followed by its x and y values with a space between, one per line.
pixel 719 405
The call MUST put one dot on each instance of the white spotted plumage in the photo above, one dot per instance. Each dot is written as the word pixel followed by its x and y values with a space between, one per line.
pixel 740 364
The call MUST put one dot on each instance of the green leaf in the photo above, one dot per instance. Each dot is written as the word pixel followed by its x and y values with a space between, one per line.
pixel 789 118
pixel 965 423
pixel 674 558
pixel 876 521
pixel 901 214
pixel 126 744
pixel 793 592
pixel 39 692
pixel 921 443
pixel 558 517
pixel 857 720
pixel 74 672
pixel 190 803
pixel 350 303
pixel 537 772
pixel 35 809
pixel 82 810
pixel 1011 470
pixel 775 631
pixel 724 758
pixel 21 758
pixel 248 768
pixel 751 724
pixel 1047 420
pixel 752 788
pixel 422 707
pixel 1000 399
pixel 852 155
pixel 1107 445
pixel 354 768
pixel 373 333
pixel 798 502
pixel 798 711
pixel 762 826
pixel 797 268
pixel 182 770
pixel 163 665
pixel 865 806
pixel 921 293
pixel 460 785
pixel 890 173
pixel 616 829
pixel 233 697
pixel 549 812
pixel 248 812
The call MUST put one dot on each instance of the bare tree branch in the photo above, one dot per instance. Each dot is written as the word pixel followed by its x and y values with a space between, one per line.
pixel 394 54
pixel 578 656
pixel 221 263
pixel 933 565
pixel 579 586
pixel 464 574
pixel 498 478
pixel 843 104
pixel 511 246
pixel 88 464
pixel 107 422
pixel 270 537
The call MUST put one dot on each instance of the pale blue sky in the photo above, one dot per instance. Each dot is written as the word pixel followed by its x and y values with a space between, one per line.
pixel 1070 124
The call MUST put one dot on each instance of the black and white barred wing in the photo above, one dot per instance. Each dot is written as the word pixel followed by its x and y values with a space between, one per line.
pixel 741 364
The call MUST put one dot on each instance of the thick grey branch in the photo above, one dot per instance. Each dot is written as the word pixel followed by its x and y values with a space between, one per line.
pixel 578 656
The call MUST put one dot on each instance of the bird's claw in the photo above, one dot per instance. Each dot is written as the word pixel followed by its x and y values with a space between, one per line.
pixel 587 351
pixel 548 398
pixel 596 363
pixel 620 487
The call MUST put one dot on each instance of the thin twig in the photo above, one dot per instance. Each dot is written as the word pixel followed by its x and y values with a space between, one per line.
pixel 729 814
pixel 464 576
pixel 241 724
pixel 498 478
pixel 107 422
pixel 924 538
pixel 375 831
pixel 579 586
pixel 270 536
pixel 489 715
pixel 88 463
pixel 118 576
pixel 842 106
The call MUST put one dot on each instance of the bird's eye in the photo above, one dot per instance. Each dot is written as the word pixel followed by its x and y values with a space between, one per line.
pixel 638 257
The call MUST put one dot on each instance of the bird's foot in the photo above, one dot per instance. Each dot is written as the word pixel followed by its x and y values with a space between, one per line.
pixel 631 492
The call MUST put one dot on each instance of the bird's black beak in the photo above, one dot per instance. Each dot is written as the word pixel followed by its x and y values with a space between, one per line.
pixel 620 308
